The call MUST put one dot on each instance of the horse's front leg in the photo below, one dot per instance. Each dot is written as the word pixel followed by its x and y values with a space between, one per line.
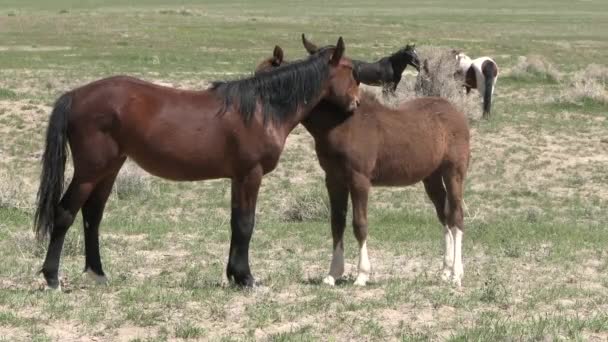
pixel 359 190
pixel 338 200
pixel 244 197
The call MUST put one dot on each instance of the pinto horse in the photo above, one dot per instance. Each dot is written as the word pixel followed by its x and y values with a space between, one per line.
pixel 385 72
pixel 233 130
pixel 426 139
pixel 481 74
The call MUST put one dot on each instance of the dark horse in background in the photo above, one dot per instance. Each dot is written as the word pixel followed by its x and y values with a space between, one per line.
pixel 385 72
pixel 233 130
pixel 426 139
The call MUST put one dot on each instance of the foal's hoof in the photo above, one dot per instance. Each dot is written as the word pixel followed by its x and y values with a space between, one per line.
pixel 329 280
pixel 457 281
pixel 361 280
pixel 446 276
pixel 100 279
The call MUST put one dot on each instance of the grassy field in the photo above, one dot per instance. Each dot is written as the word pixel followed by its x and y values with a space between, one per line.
pixel 536 264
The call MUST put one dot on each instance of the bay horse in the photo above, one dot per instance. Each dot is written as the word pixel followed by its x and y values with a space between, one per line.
pixel 233 130
pixel 425 139
pixel 385 72
pixel 479 73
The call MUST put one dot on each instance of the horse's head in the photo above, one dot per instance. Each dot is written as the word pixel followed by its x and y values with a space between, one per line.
pixel 272 62
pixel 410 50
pixel 343 86
pixel 460 56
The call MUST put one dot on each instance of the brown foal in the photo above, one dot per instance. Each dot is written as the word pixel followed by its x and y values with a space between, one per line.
pixel 426 139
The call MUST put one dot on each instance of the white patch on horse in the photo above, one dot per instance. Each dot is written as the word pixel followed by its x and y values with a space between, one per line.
pixel 99 279
pixel 448 256
pixel 458 270
pixel 364 266
pixel 336 268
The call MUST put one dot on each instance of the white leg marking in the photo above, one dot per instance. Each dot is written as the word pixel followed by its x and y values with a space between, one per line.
pixel 336 268
pixel 458 271
pixel 102 280
pixel 448 256
pixel 364 266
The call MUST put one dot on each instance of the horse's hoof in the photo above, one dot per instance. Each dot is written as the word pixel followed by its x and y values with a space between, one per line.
pixel 52 281
pixel 457 281
pixel 446 276
pixel 245 281
pixel 361 280
pixel 329 280
pixel 98 279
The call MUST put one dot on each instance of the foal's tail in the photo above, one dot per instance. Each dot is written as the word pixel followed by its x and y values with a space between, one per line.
pixel 53 167
pixel 489 72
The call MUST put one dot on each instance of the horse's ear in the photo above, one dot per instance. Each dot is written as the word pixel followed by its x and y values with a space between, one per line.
pixel 310 47
pixel 278 54
pixel 338 52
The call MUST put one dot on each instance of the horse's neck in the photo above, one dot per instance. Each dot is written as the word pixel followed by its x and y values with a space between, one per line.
pixel 400 62
pixel 303 112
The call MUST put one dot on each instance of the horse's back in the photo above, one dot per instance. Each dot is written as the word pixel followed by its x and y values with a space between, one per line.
pixel 438 117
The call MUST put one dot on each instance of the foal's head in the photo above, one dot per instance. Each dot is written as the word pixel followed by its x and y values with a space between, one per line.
pixel 271 62
pixel 343 87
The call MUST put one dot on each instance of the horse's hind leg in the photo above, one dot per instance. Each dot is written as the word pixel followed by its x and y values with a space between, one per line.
pixel 338 199
pixel 436 191
pixel 69 205
pixel 94 156
pixel 359 190
pixel 92 213
pixel 453 178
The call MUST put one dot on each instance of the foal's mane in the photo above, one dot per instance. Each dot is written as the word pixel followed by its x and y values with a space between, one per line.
pixel 279 91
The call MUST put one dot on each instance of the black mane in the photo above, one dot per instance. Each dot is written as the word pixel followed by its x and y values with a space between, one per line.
pixel 279 91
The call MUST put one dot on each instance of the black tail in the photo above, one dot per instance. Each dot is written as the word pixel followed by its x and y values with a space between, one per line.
pixel 53 167
pixel 488 70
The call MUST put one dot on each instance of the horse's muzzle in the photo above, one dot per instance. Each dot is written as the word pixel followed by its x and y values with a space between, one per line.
pixel 354 104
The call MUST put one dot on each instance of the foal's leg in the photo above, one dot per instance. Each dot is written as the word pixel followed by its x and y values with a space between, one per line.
pixel 454 181
pixel 244 197
pixel 338 199
pixel 436 191
pixel 69 205
pixel 359 190
pixel 92 212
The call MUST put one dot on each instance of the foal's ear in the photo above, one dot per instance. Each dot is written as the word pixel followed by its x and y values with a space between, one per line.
pixel 338 52
pixel 278 54
pixel 310 47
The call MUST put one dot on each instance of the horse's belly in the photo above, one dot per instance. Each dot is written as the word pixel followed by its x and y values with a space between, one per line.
pixel 404 171
pixel 178 169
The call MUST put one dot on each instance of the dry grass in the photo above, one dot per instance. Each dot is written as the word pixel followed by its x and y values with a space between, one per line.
pixel 12 195
pixel 308 205
pixel 132 181
pixel 535 67
pixel 589 83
